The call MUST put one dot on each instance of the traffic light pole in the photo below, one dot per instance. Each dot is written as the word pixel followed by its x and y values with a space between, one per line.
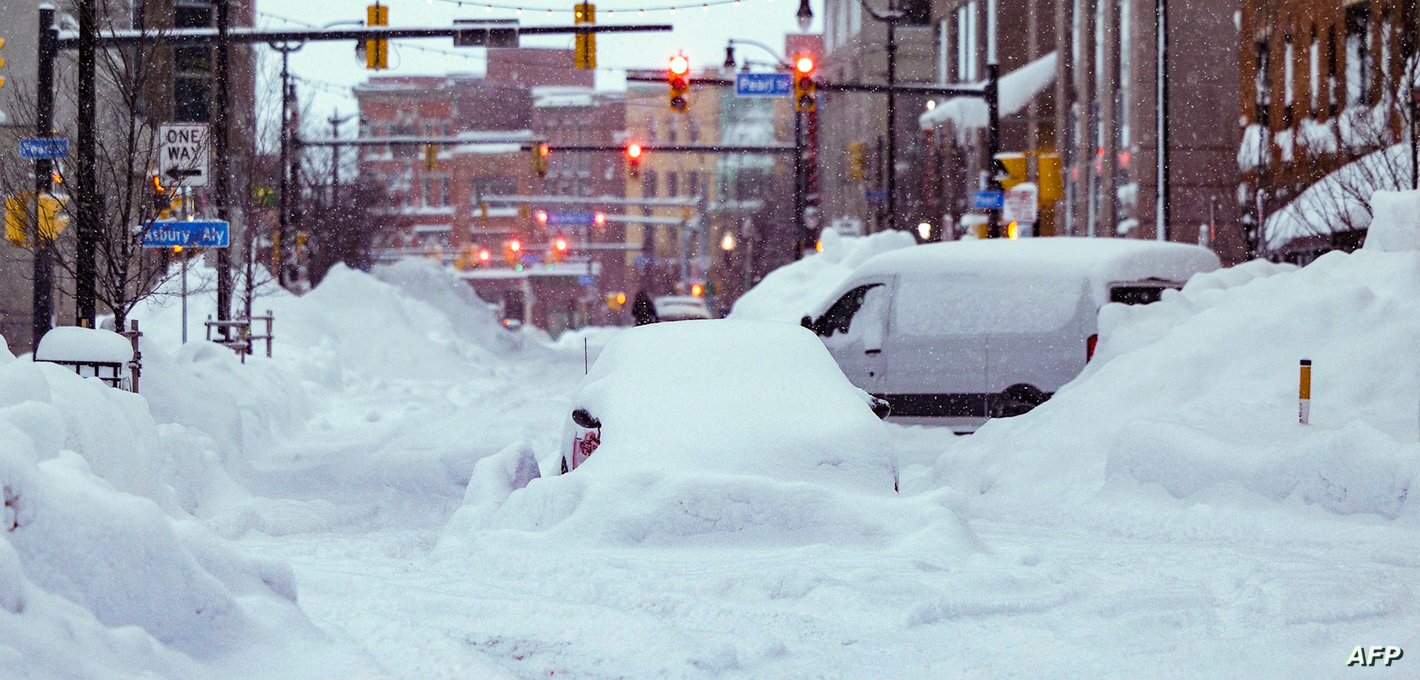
pixel 799 236
pixel 43 303
pixel 221 166
pixel 85 304
pixel 891 20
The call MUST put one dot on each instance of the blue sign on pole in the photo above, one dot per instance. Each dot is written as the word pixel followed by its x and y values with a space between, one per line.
pixel 170 233
pixel 875 195
pixel 988 200
pixel 38 148
pixel 586 280
pixel 571 218
pixel 763 84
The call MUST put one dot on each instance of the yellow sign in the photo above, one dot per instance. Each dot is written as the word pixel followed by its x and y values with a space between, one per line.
pixel 17 218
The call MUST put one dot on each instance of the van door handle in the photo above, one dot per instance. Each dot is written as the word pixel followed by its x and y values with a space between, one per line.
pixel 873 351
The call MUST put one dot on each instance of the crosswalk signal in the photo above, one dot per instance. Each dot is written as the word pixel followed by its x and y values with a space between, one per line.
pixel 377 50
pixel 633 159
pixel 540 152
pixel 585 54
pixel 678 77
pixel 804 85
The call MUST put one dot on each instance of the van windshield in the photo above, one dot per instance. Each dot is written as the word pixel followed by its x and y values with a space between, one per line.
pixel 965 304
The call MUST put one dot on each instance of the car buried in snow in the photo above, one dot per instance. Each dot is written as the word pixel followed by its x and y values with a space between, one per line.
pixel 756 398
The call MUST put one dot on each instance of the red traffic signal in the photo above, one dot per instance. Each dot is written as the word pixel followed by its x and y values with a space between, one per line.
pixel 540 152
pixel 633 159
pixel 599 219
pixel 541 217
pixel 560 244
pixel 484 255
pixel 678 77
pixel 804 85
pixel 514 245
pixel 804 64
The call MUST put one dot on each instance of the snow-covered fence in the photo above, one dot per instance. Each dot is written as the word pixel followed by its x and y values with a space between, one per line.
pixel 243 339
pixel 96 353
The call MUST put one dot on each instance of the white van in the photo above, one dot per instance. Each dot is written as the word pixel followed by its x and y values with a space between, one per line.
pixel 955 333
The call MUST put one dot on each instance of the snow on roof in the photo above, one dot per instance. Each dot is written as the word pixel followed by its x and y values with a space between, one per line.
pixel 1017 88
pixel 562 96
pixel 72 343
pixel 1340 200
pixel 1099 260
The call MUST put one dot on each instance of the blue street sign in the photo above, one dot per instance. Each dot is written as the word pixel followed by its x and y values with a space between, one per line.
pixel 37 148
pixel 875 195
pixel 169 233
pixel 571 218
pixel 763 84
pixel 641 261
pixel 587 280
pixel 988 200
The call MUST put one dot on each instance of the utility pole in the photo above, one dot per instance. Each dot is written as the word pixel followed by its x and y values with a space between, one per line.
pixel 993 115
pixel 1161 218
pixel 799 236
pixel 221 163
pixel 892 20
pixel 43 302
pixel 90 208
pixel 284 204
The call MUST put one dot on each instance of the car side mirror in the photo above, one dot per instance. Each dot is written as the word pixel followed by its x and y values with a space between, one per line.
pixel 584 419
pixel 881 408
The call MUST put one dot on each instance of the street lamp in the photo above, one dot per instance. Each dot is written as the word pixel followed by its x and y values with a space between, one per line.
pixel 805 15
pixel 727 243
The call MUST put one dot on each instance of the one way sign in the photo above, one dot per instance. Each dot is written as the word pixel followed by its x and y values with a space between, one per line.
pixel 182 154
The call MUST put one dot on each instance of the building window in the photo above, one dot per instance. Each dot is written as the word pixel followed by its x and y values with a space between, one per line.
pixel 192 67
pixel 1313 73
pixel 966 42
pixel 1262 85
pixel 943 51
pixel 648 184
pixel 1358 54
pixel 692 185
pixel 1331 81
pixel 1126 71
pixel 1289 79
pixel 672 184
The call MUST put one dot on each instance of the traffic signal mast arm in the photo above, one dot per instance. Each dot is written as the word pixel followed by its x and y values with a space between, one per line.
pixel 69 40
pixel 934 90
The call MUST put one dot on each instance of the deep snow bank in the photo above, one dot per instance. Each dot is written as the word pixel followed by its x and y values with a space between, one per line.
pixel 102 572
pixel 1196 397
pixel 791 291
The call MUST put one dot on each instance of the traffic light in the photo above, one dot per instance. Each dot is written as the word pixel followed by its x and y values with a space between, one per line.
pixel 678 76
pixel 857 160
pixel 633 159
pixel 484 256
pixel 377 51
pixel 512 251
pixel 431 158
pixel 1010 169
pixel 2 62
pixel 585 54
pixel 804 85
pixel 158 194
pixel 540 152
pixel 541 217
pixel 560 246
pixel 599 219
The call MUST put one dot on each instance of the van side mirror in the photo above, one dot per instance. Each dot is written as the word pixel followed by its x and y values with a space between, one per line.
pixel 881 408
pixel 807 322
pixel 585 420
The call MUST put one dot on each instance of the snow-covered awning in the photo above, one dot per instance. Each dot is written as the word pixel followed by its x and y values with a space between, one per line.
pixel 1017 89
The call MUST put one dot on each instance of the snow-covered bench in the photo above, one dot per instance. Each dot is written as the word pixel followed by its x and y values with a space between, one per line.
pixel 95 353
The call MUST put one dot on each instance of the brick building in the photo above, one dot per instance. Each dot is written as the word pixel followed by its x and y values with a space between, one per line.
pixel 1322 86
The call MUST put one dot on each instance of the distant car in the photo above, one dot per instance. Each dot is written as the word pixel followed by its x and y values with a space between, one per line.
pixel 757 398
pixel 956 333
pixel 681 308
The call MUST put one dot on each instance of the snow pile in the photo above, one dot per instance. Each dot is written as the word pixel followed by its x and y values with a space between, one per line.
pixel 791 291
pixel 1396 225
pixel 72 343
pixel 704 440
pixel 1196 397
pixel 97 555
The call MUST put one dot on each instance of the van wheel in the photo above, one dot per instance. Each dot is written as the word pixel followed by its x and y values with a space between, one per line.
pixel 1016 400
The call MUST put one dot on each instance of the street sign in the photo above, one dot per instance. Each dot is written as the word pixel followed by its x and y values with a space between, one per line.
pixel 1022 204
pixel 169 233
pixel 183 154
pixel 586 280
pixel 763 84
pixel 571 218
pixel 875 195
pixel 988 200
pixel 39 148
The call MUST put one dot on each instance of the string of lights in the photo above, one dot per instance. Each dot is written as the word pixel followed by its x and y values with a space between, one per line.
pixel 609 12
pixel 463 54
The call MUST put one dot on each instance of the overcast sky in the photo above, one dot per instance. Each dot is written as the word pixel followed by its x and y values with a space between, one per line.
pixel 700 33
